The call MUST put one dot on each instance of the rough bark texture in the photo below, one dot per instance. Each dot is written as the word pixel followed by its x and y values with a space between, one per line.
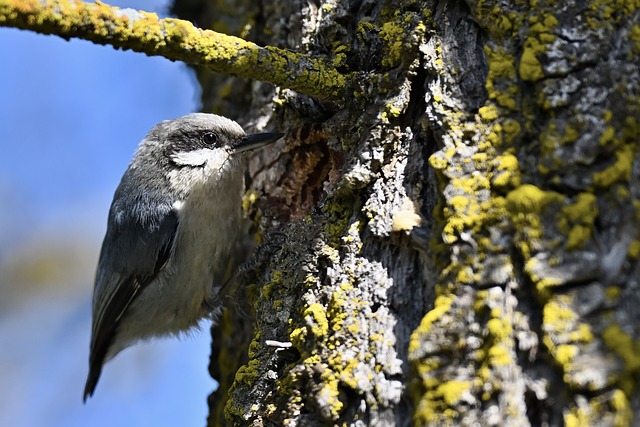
pixel 458 243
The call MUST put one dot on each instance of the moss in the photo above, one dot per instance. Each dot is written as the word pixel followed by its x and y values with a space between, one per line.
pixel 336 225
pixel 254 345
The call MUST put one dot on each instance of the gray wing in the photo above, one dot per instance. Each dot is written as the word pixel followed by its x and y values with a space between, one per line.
pixel 138 242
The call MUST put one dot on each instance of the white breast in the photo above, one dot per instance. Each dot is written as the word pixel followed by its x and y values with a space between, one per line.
pixel 209 223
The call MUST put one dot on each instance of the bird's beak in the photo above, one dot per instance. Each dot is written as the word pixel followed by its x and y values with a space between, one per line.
pixel 257 140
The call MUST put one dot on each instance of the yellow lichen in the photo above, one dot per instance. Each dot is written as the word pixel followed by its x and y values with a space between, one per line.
pixel 618 171
pixel 441 306
pixel 530 199
pixel 624 346
pixel 393 35
pixel 488 113
pixel 316 317
pixel 530 68
pixel 578 218
pixel 507 171
pixel 452 391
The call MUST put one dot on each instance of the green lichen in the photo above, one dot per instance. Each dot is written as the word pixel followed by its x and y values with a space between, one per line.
pixel 501 21
pixel 364 29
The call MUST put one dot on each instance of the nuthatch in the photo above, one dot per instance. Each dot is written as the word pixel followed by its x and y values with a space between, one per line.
pixel 173 225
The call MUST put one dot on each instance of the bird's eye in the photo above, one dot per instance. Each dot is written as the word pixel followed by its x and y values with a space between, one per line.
pixel 209 138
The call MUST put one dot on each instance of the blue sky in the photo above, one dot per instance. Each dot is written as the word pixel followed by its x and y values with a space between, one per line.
pixel 71 116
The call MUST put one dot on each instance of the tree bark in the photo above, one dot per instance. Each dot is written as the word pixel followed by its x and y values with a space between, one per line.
pixel 457 244
pixel 455 241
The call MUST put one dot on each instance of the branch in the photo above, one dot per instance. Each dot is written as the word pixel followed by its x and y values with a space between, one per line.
pixel 177 40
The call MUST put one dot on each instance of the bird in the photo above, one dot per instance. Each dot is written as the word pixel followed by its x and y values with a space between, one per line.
pixel 172 229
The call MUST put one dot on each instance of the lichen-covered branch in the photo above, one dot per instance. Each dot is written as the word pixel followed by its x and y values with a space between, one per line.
pixel 177 40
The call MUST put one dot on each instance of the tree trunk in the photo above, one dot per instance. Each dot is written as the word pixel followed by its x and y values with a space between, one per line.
pixel 457 242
